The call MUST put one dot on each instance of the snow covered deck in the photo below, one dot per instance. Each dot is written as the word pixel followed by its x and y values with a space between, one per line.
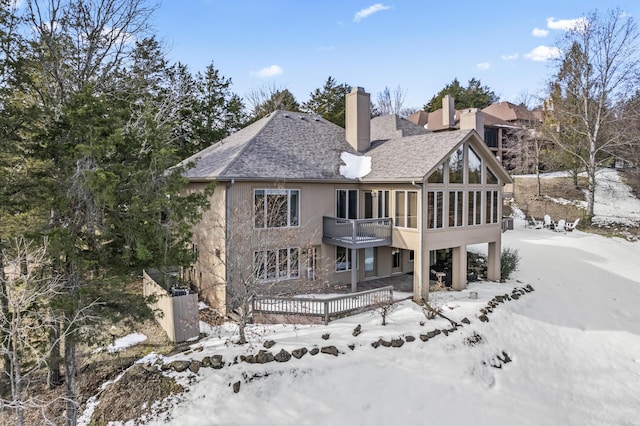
pixel 356 233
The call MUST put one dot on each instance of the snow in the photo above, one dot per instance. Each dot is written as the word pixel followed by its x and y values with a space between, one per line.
pixel 574 345
pixel 355 166
pixel 126 341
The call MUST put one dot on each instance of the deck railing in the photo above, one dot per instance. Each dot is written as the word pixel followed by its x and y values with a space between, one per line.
pixel 326 308
pixel 356 233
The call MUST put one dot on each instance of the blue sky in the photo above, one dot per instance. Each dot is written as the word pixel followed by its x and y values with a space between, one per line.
pixel 417 45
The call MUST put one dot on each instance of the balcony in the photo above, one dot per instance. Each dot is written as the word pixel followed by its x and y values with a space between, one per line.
pixel 356 233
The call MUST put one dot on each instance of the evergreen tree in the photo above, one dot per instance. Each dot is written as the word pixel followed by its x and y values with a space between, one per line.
pixel 475 95
pixel 329 101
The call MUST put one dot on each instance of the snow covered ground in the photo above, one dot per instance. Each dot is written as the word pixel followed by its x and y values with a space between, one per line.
pixel 573 348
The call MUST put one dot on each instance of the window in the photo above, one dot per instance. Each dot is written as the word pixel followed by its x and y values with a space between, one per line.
pixel 412 255
pixel 437 176
pixel 347 203
pixel 491 137
pixel 343 259
pixel 456 166
pixel 491 178
pixel 435 209
pixel 280 264
pixel 455 208
pixel 475 208
pixel 475 167
pixel 406 209
pixel 383 204
pixel 492 207
pixel 276 208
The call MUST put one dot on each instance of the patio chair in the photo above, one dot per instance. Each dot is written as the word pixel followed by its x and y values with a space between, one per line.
pixel 560 226
pixel 548 223
pixel 533 223
pixel 571 226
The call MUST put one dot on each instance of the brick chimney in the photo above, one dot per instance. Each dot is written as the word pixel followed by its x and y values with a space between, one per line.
pixel 448 112
pixel 472 118
pixel 358 119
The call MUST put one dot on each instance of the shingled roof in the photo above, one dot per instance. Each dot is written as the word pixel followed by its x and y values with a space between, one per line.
pixel 297 146
pixel 283 145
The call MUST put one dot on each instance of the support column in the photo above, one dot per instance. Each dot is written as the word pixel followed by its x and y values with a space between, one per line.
pixel 421 276
pixel 459 268
pixel 354 270
pixel 494 253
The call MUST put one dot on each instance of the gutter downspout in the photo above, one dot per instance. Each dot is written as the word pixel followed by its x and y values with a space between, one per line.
pixel 421 254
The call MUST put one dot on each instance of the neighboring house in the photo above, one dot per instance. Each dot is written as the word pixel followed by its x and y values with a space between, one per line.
pixel 497 123
pixel 381 197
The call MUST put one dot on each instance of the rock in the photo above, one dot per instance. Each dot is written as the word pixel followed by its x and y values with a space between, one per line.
pixel 206 361
pixel 465 320
pixel 445 332
pixel 515 296
pixel 483 311
pixel 409 338
pixel 422 323
pixel 375 344
pixel 434 333
pixel 351 346
pixel 506 358
pixel 385 343
pixel 236 387
pixel 198 349
pixel 250 359
pixel 396 343
pixel 282 356
pixel 357 330
pixel 314 351
pixel 499 299
pixel 194 367
pixel 264 357
pixel 149 367
pixel 216 362
pixel 528 288
pixel 483 318
pixel 180 366
pixel 424 337
pixel 269 344
pixel 165 367
pixel 330 350
pixel 299 353
pixel 325 336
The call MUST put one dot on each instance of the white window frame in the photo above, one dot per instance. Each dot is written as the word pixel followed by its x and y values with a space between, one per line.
pixel 288 272
pixel 293 221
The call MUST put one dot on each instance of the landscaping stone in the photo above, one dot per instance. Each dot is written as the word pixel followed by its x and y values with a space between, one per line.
pixel 445 332
pixel 249 359
pixel 424 337
pixel 180 366
pixel 299 353
pixel 351 346
pixel 385 343
pixel 282 356
pixel 396 343
pixel 206 361
pixel 194 367
pixel 330 350
pixel 264 357
pixel 269 344
pixel 314 351
pixel 216 362
pixel 465 320
pixel 375 344
pixel 236 387
pixel 483 318
pixel 409 338
pixel 357 330
pixel 325 336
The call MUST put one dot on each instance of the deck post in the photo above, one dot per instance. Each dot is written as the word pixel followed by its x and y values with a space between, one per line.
pixel 354 271
pixel 326 312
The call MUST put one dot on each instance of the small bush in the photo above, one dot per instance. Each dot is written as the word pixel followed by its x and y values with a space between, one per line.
pixel 508 262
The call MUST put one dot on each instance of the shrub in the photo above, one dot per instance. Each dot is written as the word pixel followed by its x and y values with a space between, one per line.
pixel 508 262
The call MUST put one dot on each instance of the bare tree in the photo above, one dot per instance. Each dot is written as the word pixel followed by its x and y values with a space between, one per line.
pixel 392 102
pixel 27 288
pixel 268 254
pixel 598 69
pixel 268 99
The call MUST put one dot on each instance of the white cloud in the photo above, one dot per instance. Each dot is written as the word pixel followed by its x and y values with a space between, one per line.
pixel 270 71
pixel 539 32
pixel 543 53
pixel 566 24
pixel 511 57
pixel 369 11
pixel 483 65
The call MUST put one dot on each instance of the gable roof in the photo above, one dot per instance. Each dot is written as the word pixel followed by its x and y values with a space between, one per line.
pixel 297 146
pixel 510 112
pixel 283 145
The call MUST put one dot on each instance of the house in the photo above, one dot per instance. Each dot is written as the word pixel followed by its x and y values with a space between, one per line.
pixel 493 128
pixel 299 199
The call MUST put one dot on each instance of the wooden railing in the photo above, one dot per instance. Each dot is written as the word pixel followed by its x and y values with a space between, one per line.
pixel 326 308
pixel 356 233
